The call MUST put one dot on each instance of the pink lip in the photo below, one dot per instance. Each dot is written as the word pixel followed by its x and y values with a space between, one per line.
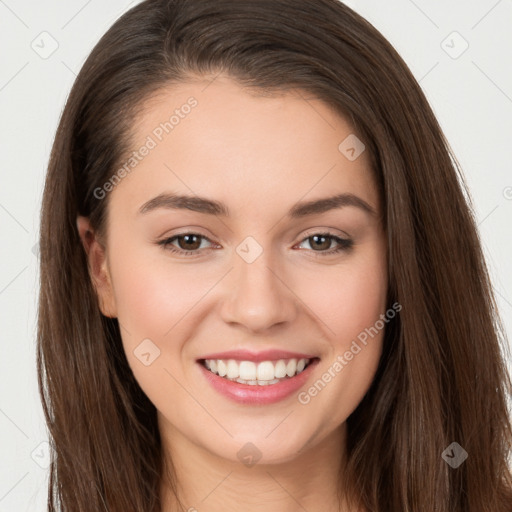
pixel 265 355
pixel 253 395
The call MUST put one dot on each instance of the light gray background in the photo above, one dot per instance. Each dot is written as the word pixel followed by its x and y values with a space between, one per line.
pixel 470 93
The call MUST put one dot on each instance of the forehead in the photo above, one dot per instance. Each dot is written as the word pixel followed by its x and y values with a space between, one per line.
pixel 244 147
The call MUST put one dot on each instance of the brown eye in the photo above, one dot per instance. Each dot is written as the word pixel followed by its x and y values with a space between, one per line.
pixel 321 243
pixel 187 243
pixel 190 242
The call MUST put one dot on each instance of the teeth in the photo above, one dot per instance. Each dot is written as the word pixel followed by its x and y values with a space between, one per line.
pixel 291 367
pixel 247 370
pixel 233 372
pixel 280 369
pixel 266 371
pixel 262 374
pixel 222 369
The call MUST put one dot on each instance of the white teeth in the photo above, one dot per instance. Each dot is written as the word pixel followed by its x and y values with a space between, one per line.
pixel 232 370
pixel 265 371
pixel 280 369
pixel 247 370
pixel 262 374
pixel 222 369
pixel 291 367
pixel 300 365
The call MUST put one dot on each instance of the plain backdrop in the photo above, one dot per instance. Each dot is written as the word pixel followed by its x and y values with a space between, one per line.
pixel 460 52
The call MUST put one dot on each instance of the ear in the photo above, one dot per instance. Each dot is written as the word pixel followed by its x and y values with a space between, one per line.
pixel 98 266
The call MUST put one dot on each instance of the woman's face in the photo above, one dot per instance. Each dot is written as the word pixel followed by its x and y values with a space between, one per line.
pixel 249 287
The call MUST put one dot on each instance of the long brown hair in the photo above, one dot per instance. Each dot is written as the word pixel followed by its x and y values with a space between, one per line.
pixel 442 376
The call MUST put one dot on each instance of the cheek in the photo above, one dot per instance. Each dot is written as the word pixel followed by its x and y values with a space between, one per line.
pixel 151 292
pixel 152 303
pixel 146 301
pixel 350 298
pixel 152 306
pixel 353 309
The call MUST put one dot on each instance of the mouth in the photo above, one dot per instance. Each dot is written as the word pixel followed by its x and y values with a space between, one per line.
pixel 253 373
pixel 257 380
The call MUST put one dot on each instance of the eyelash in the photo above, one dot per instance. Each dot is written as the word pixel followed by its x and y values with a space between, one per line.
pixel 344 244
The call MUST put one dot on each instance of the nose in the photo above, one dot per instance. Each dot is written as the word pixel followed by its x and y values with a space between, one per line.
pixel 259 297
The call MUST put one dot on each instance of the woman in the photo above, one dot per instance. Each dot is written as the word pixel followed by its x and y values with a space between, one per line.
pixel 261 283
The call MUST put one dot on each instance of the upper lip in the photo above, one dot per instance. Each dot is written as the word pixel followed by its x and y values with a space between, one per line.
pixel 264 355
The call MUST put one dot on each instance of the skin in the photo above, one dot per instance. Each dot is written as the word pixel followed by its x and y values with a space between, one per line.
pixel 260 155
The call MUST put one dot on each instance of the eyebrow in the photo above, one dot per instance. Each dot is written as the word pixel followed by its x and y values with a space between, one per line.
pixel 212 207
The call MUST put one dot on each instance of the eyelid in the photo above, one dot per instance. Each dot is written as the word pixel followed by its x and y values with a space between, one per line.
pixel 326 229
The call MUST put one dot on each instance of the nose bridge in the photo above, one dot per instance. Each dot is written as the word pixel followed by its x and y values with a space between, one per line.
pixel 260 298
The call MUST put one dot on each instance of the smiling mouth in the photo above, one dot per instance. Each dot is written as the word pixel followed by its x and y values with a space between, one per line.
pixel 263 373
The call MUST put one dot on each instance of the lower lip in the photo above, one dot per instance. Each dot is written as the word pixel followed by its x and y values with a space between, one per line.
pixel 247 394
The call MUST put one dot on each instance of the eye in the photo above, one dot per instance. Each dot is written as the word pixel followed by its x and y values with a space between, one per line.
pixel 323 241
pixel 189 244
